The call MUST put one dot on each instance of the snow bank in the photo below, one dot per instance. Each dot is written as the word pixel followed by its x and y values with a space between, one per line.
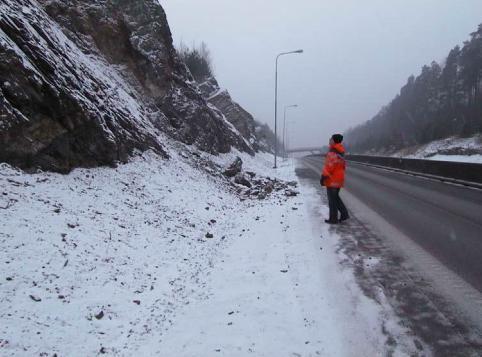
pixel 450 149
pixel 475 159
pixel 102 259
pixel 129 243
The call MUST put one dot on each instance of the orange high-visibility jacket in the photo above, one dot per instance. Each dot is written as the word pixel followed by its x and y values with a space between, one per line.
pixel 334 168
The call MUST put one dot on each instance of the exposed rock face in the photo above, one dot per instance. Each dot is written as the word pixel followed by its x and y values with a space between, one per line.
pixel 256 134
pixel 58 107
pixel 240 118
pixel 85 83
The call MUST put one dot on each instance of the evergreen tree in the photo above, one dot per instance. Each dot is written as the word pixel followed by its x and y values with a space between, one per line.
pixel 440 102
pixel 198 60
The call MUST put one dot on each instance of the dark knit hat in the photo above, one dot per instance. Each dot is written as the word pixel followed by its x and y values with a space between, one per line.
pixel 337 138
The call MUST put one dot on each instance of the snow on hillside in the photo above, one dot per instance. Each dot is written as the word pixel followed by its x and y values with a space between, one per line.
pixel 450 149
pixel 86 78
pixel 94 81
pixel 156 258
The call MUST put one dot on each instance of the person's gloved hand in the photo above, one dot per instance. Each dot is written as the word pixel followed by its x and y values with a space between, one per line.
pixel 322 180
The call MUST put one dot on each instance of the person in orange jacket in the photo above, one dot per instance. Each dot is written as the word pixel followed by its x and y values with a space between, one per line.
pixel 333 178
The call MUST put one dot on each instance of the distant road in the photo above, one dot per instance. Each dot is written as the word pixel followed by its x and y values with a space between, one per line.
pixel 445 219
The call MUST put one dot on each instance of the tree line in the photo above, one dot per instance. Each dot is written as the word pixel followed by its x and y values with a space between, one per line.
pixel 198 60
pixel 443 101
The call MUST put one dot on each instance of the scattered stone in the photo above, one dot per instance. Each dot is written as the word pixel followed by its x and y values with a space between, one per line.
pixel 242 179
pixel 138 302
pixel 269 187
pixel 100 315
pixel 291 193
pixel 284 271
pixel 209 235
pixel 35 298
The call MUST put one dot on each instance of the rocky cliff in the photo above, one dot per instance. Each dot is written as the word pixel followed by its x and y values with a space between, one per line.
pixel 259 136
pixel 86 83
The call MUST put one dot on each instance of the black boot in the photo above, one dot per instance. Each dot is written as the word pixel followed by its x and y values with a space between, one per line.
pixel 329 221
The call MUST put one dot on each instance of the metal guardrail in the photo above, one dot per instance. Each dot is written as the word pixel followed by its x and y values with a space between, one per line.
pixel 308 149
pixel 454 171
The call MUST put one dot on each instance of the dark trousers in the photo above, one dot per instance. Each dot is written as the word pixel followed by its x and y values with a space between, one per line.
pixel 336 204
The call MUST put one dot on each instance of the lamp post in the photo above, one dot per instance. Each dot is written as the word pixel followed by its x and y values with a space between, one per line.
pixel 284 125
pixel 288 139
pixel 276 104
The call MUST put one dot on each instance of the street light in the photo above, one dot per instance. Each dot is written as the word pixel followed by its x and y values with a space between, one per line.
pixel 284 125
pixel 288 139
pixel 276 104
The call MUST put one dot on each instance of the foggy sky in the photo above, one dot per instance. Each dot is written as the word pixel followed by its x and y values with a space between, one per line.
pixel 357 56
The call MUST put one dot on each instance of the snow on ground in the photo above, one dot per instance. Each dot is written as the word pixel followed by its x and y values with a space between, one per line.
pixel 280 291
pixel 476 159
pixel 450 149
pixel 118 261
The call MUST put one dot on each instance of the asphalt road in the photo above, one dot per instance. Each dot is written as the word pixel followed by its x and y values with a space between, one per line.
pixel 444 219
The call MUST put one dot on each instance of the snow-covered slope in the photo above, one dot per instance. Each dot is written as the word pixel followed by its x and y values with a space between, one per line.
pixel 450 149
pixel 104 257
pixel 85 83
pixel 164 258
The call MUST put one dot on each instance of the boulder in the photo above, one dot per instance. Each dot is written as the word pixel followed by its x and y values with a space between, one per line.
pixel 235 167
pixel 242 179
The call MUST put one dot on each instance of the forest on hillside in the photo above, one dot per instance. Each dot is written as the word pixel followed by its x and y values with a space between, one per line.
pixel 443 101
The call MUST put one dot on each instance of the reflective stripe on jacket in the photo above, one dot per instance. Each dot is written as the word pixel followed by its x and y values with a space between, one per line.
pixel 335 165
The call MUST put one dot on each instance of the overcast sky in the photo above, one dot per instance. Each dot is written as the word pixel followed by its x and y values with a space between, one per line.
pixel 357 56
